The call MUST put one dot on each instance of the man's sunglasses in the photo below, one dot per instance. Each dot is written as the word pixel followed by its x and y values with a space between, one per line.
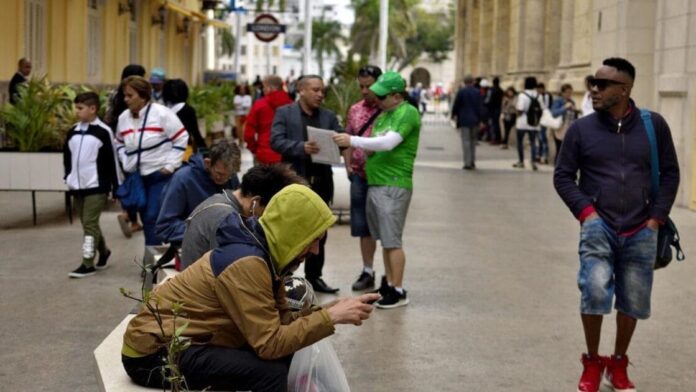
pixel 370 70
pixel 382 97
pixel 602 84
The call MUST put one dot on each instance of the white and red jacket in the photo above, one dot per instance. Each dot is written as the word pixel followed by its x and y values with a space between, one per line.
pixel 164 140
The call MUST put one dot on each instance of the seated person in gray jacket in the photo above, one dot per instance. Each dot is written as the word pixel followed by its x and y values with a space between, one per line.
pixel 259 184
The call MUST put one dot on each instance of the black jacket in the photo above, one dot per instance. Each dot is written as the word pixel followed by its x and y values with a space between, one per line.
pixel 613 158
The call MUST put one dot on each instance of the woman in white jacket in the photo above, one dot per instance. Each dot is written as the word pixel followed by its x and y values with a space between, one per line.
pixel 156 134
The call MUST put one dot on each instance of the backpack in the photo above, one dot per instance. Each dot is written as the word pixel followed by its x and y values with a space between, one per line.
pixel 534 111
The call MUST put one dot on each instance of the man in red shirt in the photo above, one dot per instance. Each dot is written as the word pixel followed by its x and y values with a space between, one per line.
pixel 257 131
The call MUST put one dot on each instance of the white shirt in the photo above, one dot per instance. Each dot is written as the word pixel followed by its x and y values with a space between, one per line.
pixel 522 105
pixel 242 104
pixel 586 106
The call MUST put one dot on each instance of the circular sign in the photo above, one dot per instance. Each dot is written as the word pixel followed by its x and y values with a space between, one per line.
pixel 266 27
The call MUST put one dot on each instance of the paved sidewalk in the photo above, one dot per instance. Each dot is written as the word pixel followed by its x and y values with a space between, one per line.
pixel 491 265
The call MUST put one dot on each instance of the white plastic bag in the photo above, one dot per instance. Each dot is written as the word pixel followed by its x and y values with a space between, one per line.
pixel 316 368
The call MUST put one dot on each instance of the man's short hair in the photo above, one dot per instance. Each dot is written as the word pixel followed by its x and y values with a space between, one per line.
pixel 175 91
pixel 541 85
pixel 89 98
pixel 621 65
pixel 371 71
pixel 302 80
pixel 566 86
pixel 273 81
pixel 141 86
pixel 227 152
pixel 468 79
pixel 530 83
pixel 22 61
pixel 267 180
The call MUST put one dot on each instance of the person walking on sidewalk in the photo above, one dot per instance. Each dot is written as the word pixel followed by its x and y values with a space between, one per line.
pixel 359 122
pixel 467 111
pixel 394 143
pixel 90 173
pixel 526 100
pixel 257 129
pixel 618 242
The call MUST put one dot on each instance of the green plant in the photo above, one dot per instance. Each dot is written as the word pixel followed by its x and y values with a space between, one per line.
pixel 210 101
pixel 340 96
pixel 175 343
pixel 41 116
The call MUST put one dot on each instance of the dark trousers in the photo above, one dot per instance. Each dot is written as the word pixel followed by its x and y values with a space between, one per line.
pixel 508 124
pixel 520 144
pixel 494 131
pixel 216 368
pixel 154 184
pixel 324 187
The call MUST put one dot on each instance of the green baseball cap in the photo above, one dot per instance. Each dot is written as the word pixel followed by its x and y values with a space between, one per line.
pixel 389 82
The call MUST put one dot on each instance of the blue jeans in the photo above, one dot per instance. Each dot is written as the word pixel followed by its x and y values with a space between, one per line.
pixel 154 184
pixel 358 200
pixel 543 151
pixel 612 264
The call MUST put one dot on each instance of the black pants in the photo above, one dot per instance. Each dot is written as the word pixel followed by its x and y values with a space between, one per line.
pixel 324 187
pixel 216 368
pixel 508 124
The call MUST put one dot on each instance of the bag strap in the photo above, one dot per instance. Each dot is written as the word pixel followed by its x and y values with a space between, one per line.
pixel 369 122
pixel 654 159
pixel 142 132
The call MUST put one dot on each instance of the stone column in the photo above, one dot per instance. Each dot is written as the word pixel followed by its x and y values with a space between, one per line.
pixel 533 44
pixel 460 38
pixel 473 30
pixel 552 32
pixel 486 47
pixel 566 30
pixel 501 36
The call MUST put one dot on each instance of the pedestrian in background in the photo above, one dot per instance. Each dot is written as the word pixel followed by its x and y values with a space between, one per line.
pixel 175 93
pixel 611 197
pixel 564 106
pixel 467 113
pixel 90 174
pixel 152 140
pixel 543 147
pixel 257 130
pixel 359 122
pixel 242 105
pixel 523 106
pixel 509 114
pixel 23 72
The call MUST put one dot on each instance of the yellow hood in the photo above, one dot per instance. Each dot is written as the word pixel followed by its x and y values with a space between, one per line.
pixel 294 218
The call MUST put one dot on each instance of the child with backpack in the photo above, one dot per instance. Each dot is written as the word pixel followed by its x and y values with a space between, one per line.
pixel 529 109
pixel 90 174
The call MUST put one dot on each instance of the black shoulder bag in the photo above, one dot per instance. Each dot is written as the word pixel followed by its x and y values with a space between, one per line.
pixel 667 235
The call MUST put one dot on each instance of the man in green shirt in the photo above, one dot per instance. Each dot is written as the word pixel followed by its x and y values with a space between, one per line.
pixel 392 146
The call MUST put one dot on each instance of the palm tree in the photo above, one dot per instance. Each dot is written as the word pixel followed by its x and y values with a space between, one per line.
pixel 325 36
pixel 364 35
pixel 226 43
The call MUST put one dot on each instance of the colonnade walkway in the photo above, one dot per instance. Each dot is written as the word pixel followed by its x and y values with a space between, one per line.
pixel 491 275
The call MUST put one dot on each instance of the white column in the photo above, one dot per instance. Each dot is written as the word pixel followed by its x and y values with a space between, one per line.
pixel 383 32
pixel 210 42
pixel 307 55
pixel 237 40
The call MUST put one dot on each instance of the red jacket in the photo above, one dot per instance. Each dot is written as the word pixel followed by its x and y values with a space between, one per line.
pixel 257 131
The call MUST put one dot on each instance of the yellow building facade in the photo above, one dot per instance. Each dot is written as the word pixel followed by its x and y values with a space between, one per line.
pixel 562 41
pixel 90 41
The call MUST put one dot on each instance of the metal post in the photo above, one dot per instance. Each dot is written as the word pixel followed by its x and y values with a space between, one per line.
pixel 268 59
pixel 307 37
pixel 237 41
pixel 383 33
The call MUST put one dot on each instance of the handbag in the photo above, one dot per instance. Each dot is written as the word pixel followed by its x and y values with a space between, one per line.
pixel 667 235
pixel 131 192
pixel 549 121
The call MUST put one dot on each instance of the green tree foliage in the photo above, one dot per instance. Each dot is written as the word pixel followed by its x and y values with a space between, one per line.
pixel 226 43
pixel 434 36
pixel 326 34
pixel 364 35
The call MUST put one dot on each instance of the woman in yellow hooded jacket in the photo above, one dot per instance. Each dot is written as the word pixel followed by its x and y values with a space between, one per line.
pixel 242 332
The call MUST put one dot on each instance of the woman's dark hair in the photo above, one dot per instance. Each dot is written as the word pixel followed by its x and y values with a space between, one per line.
pixel 141 86
pixel 566 86
pixel 372 71
pixel 267 180
pixel 238 89
pixel 514 92
pixel 132 70
pixel 530 83
pixel 175 91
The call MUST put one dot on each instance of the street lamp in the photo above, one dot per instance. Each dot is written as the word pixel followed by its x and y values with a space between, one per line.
pixel 185 24
pixel 159 20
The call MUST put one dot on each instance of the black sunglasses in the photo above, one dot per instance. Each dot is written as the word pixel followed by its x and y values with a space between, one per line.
pixel 370 70
pixel 602 84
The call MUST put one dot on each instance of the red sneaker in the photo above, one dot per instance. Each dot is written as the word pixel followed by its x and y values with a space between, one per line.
pixel 593 368
pixel 616 376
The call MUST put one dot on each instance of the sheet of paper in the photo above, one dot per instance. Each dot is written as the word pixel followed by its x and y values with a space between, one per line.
pixel 328 150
